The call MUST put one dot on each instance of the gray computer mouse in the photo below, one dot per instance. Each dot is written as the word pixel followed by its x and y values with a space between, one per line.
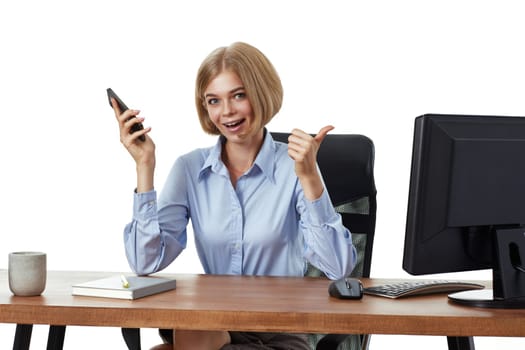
pixel 346 288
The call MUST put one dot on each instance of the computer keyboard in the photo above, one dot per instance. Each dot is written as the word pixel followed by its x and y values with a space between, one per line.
pixel 419 287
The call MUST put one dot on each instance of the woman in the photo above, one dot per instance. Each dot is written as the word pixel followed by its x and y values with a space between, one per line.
pixel 257 207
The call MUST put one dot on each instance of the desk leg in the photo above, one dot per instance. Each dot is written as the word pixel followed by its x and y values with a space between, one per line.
pixel 22 336
pixel 460 343
pixel 55 339
pixel 132 338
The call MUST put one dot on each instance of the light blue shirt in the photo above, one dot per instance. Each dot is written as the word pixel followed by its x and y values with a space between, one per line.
pixel 263 226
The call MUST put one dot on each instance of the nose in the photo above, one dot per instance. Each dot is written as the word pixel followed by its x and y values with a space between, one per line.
pixel 228 108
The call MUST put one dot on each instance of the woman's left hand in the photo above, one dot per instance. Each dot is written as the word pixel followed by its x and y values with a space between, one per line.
pixel 303 148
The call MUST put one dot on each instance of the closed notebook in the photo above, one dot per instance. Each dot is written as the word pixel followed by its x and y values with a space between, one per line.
pixel 112 287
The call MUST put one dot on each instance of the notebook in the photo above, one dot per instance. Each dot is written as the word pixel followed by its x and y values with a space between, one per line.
pixel 114 287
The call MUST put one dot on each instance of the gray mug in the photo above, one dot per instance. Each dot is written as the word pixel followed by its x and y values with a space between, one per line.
pixel 27 273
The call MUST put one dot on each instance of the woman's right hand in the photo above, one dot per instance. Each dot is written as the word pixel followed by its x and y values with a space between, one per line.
pixel 143 152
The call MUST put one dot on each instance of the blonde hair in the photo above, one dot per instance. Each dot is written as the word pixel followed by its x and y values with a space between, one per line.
pixel 260 79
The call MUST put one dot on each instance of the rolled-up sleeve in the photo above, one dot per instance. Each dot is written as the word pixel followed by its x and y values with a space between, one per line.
pixel 328 244
pixel 151 246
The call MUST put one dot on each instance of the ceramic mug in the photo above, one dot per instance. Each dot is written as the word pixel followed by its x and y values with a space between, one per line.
pixel 27 273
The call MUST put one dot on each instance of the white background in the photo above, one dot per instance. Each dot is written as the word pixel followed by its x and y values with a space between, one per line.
pixel 367 67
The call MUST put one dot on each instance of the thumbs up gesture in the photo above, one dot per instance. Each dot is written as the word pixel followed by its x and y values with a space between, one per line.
pixel 303 148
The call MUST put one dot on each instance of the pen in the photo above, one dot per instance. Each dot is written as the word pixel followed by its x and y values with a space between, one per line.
pixel 125 282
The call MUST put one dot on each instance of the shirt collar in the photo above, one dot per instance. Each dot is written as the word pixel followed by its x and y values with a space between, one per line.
pixel 265 160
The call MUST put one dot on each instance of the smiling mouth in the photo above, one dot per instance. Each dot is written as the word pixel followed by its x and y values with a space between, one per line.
pixel 234 124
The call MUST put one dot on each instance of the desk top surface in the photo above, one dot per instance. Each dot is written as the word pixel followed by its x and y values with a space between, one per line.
pixel 283 304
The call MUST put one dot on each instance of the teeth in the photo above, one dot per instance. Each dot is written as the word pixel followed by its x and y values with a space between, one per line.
pixel 233 124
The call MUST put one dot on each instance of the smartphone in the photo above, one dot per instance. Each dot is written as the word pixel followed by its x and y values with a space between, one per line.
pixel 123 107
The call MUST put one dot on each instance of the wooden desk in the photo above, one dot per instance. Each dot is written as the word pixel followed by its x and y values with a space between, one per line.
pixel 247 303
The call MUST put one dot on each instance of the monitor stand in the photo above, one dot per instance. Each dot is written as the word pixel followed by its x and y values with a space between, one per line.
pixel 484 298
pixel 508 274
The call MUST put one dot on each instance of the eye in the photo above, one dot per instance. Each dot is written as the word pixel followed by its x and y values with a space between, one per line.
pixel 240 95
pixel 212 101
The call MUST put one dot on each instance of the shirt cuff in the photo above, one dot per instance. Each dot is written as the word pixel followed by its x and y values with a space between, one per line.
pixel 144 204
pixel 320 211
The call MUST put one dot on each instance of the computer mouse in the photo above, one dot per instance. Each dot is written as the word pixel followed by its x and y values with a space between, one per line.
pixel 346 288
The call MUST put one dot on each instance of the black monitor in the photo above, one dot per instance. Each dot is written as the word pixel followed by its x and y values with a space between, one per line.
pixel 466 205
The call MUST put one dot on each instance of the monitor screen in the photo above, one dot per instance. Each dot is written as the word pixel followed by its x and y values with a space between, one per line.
pixel 467 186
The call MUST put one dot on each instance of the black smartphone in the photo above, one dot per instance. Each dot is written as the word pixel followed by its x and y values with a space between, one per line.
pixel 123 107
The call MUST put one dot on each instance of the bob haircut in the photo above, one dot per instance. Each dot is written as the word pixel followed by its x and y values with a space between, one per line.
pixel 260 79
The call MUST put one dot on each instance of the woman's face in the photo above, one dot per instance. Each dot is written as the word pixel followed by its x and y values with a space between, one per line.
pixel 228 106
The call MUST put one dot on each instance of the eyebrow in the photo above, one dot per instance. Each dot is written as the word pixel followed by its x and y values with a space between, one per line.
pixel 229 92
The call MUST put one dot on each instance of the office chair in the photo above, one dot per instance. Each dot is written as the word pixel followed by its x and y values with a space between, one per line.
pixel 347 166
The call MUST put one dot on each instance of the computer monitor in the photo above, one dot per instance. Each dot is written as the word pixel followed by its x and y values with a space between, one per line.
pixel 466 205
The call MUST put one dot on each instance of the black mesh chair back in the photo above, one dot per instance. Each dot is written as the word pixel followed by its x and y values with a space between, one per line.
pixel 347 165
